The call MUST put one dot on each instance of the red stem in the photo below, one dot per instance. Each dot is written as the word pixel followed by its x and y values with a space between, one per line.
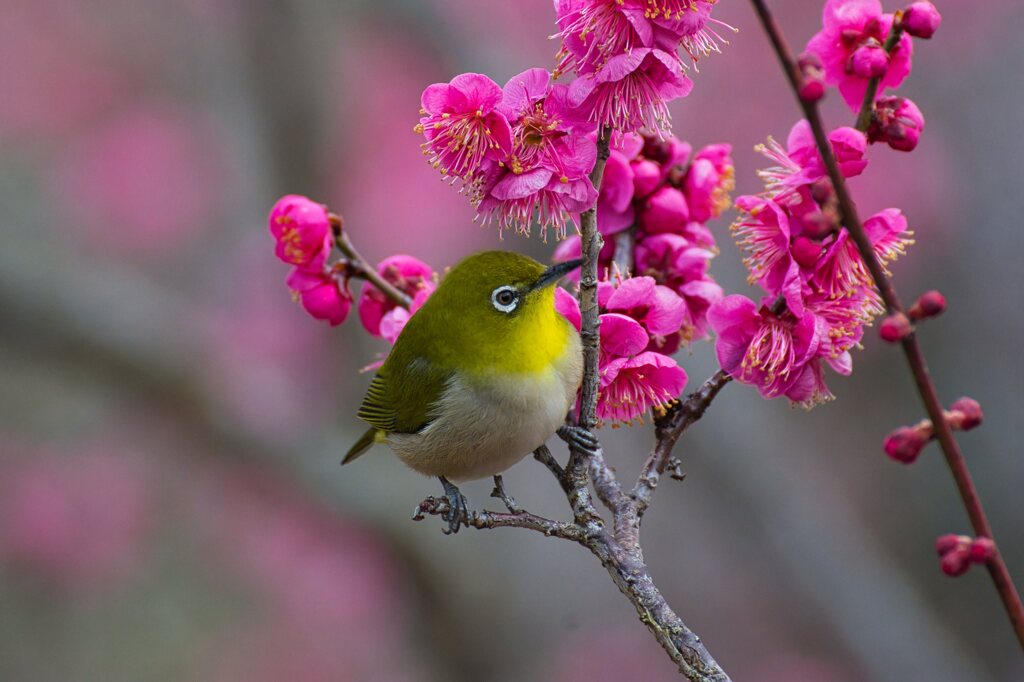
pixel 915 358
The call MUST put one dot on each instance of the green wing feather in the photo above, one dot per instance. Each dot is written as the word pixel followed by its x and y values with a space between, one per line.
pixel 401 397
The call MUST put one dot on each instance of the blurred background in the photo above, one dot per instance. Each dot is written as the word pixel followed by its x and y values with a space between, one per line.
pixel 171 506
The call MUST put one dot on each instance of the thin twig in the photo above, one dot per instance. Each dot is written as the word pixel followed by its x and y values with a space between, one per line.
pixel 360 267
pixel 668 430
pixel 867 109
pixel 915 357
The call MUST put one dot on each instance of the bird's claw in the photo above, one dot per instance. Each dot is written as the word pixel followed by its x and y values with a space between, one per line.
pixel 457 514
pixel 580 438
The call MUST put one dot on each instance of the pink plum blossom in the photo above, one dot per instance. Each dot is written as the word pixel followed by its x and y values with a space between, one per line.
pixel 394 321
pixel 569 307
pixel 615 210
pixel 546 174
pixel 659 309
pixel 709 180
pixel 319 291
pixel 680 265
pixel 767 350
pixel 462 125
pixel 631 90
pixel 409 275
pixel 632 385
pixel 850 48
pixel 800 163
pixel 592 31
pixel 300 228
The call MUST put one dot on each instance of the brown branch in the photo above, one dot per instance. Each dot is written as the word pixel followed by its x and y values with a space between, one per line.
pixel 668 430
pixel 915 357
pixel 624 242
pixel 360 267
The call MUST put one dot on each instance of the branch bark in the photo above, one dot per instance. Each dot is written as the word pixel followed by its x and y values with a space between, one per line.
pixel 911 349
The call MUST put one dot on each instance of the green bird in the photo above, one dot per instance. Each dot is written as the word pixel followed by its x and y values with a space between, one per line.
pixel 483 374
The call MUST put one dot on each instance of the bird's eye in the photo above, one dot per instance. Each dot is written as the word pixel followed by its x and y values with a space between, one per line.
pixel 505 299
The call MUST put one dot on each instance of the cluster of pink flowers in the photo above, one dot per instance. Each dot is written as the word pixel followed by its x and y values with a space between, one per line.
pixel 854 47
pixel 640 322
pixel 663 194
pixel 525 152
pixel 304 238
pixel 302 231
pixel 819 294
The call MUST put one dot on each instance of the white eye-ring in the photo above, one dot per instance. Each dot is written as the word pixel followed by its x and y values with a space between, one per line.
pixel 505 298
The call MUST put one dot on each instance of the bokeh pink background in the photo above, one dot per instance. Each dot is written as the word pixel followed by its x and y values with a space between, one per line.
pixel 170 422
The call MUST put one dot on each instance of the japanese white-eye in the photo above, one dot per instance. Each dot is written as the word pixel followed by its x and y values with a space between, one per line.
pixel 483 374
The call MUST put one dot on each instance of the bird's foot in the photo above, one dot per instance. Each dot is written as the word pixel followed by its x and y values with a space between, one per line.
pixel 579 438
pixel 508 500
pixel 458 511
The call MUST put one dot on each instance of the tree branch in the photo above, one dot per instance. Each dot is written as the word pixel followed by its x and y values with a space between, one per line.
pixel 360 267
pixel 912 351
pixel 668 430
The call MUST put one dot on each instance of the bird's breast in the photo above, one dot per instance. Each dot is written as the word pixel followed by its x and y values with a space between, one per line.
pixel 484 422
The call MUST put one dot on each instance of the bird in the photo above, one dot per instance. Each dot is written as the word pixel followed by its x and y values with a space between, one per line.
pixel 481 375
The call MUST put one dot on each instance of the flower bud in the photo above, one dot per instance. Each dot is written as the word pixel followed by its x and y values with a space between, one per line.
pixel 819 224
pixel 965 414
pixel 945 544
pixel 896 121
pixel 805 252
pixel 665 211
pixel 895 327
pixel 870 60
pixel 930 304
pixel 812 77
pixel 956 562
pixel 982 550
pixel 921 20
pixel 822 191
pixel 646 176
pixel 905 443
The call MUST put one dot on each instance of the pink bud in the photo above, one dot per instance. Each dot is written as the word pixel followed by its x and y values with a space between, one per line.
pixel 812 77
pixel 818 224
pixel 966 414
pixel 930 304
pixel 955 562
pixel 905 443
pixel 665 211
pixel 945 544
pixel 895 327
pixel 921 20
pixel 805 252
pixel 822 191
pixel 646 176
pixel 898 122
pixel 982 550
pixel 870 60
pixel 812 89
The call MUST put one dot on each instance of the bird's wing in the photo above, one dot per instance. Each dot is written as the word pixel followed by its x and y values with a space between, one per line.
pixel 401 401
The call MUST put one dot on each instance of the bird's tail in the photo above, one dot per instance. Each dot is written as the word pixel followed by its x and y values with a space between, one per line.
pixel 371 436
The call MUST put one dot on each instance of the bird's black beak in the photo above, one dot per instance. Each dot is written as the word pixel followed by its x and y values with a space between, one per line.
pixel 555 273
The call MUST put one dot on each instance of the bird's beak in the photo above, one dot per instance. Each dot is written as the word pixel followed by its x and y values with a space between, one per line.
pixel 555 273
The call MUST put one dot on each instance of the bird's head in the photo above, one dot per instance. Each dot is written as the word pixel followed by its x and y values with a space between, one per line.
pixel 501 301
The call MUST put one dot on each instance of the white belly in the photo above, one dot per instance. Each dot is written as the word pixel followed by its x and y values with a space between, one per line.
pixel 485 427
